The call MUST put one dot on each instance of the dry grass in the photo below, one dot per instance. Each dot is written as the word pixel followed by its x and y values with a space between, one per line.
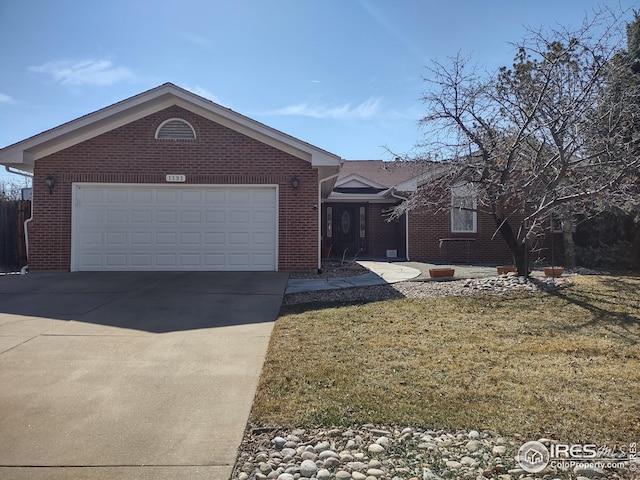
pixel 563 364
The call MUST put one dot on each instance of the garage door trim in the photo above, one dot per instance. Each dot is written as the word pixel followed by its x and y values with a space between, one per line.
pixel 75 198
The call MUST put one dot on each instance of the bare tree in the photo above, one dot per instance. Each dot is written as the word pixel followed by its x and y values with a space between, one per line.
pixel 11 188
pixel 522 138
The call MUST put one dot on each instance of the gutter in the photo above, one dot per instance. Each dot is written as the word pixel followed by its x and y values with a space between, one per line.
pixel 392 192
pixel 320 217
pixel 24 269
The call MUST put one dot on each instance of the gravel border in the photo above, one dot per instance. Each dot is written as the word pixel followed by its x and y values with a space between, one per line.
pixel 375 452
pixel 498 285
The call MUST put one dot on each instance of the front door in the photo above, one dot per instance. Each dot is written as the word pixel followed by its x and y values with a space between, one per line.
pixel 345 230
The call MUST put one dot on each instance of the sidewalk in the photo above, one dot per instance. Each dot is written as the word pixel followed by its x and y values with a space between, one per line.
pixel 380 273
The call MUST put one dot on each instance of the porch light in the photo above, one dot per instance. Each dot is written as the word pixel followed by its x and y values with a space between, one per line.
pixel 51 182
pixel 295 183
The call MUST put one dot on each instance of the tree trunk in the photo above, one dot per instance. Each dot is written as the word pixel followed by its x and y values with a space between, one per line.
pixel 521 261
pixel 569 245
pixel 518 249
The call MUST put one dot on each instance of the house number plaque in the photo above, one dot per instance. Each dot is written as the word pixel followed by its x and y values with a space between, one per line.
pixel 176 178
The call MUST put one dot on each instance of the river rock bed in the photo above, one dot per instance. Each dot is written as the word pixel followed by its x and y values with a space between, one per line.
pixel 371 452
pixel 496 285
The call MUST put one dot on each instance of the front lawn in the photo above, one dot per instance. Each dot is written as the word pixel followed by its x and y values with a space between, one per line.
pixel 564 364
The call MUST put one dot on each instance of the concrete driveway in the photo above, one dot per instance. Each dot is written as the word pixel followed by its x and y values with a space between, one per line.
pixel 130 375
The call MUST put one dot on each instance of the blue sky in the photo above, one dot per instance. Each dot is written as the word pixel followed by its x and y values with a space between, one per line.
pixel 344 75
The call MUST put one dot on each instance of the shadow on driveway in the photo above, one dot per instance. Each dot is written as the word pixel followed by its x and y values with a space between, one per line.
pixel 157 302
pixel 130 375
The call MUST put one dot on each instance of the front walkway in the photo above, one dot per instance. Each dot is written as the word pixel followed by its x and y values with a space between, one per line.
pixel 381 273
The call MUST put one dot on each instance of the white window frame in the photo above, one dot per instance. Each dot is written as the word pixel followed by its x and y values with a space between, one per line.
pixel 463 191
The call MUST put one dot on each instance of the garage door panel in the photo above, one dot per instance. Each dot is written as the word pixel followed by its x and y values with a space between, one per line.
pixel 240 197
pixel 214 239
pixel 144 227
pixel 191 216
pixel 191 238
pixel 265 217
pixel 141 216
pixel 142 196
pixel 92 216
pixel 239 216
pixel 117 197
pixel 115 260
pixel 167 197
pixel 215 261
pixel 116 238
pixel 140 260
pixel 215 217
pixel 166 238
pixel 166 216
pixel 215 197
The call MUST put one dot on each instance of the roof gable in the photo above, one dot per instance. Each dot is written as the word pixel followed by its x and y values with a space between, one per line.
pixel 378 173
pixel 357 181
pixel 23 154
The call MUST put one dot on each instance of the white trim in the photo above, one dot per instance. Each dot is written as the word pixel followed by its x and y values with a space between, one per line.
pixel 360 179
pixel 175 119
pixel 319 246
pixel 23 154
pixel 340 197
pixel 75 187
pixel 406 222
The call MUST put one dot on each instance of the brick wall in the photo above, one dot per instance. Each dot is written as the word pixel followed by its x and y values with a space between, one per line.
pixel 426 228
pixel 131 154
pixel 384 235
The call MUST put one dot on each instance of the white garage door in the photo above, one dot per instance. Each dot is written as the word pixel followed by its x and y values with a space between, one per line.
pixel 168 227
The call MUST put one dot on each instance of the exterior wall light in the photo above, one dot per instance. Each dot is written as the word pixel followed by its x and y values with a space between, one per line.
pixel 295 183
pixel 51 182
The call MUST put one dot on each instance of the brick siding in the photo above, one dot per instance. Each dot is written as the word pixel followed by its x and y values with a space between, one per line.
pixel 131 154
pixel 426 229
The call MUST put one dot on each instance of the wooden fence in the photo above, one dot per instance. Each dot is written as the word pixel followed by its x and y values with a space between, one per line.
pixel 13 251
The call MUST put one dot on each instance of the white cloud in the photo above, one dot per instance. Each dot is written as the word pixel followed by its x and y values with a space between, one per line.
pixel 363 111
pixel 85 72
pixel 203 92
pixel 6 99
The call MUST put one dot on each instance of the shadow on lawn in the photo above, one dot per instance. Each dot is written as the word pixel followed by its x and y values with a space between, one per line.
pixel 304 302
pixel 615 305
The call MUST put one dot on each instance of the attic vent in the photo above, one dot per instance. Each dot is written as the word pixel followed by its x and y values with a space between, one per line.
pixel 176 129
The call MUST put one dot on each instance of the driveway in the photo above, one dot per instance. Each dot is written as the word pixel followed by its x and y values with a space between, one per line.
pixel 130 375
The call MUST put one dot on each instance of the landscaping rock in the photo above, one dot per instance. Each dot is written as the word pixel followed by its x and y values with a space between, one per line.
pixel 323 474
pixel 375 448
pixel 279 442
pixel 473 446
pixel 308 468
pixel 467 455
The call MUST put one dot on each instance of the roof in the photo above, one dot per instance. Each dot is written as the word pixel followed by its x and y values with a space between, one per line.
pixel 22 155
pixel 379 172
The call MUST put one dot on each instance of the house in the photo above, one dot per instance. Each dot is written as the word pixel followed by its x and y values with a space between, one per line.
pixel 167 180
pixel 355 218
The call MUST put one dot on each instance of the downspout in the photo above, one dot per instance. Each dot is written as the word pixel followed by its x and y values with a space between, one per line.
pixel 24 269
pixel 320 217
pixel 392 191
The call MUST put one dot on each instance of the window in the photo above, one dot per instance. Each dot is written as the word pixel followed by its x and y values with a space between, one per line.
pixel 556 224
pixel 175 129
pixel 464 217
